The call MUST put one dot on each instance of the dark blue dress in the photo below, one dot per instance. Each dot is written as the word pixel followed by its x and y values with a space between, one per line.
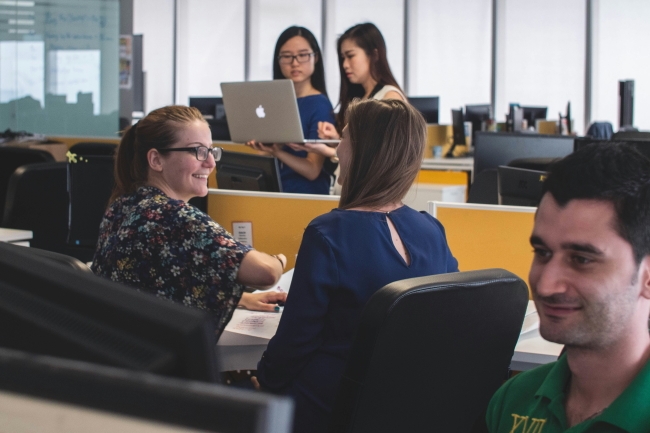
pixel 344 258
pixel 313 109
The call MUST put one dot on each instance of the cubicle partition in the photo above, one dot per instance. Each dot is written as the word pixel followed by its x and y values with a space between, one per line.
pixel 270 222
pixel 488 236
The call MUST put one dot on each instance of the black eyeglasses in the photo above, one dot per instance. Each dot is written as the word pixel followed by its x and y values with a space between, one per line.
pixel 201 152
pixel 287 59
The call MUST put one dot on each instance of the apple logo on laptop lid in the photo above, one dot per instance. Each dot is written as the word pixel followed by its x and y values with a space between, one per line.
pixel 260 112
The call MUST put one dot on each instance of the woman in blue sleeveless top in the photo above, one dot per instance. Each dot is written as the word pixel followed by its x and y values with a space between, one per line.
pixel 297 57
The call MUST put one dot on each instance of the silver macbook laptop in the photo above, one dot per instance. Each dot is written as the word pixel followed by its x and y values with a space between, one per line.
pixel 264 111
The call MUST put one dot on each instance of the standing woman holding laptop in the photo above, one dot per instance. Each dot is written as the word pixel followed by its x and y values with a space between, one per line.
pixel 297 57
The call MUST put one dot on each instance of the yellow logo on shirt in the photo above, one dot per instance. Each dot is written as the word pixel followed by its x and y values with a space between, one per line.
pixel 525 424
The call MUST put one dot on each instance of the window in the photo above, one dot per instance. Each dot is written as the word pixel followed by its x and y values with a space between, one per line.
pixel 58 67
pixel 541 56
pixel 620 34
pixel 450 52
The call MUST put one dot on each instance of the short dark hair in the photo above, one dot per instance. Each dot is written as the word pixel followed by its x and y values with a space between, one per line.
pixel 367 37
pixel 612 172
pixel 318 77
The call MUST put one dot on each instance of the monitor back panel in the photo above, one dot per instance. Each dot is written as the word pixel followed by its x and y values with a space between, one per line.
pixel 264 111
pixel 520 187
pixel 492 149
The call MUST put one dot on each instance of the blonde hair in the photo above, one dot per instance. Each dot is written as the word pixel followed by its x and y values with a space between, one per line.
pixel 387 139
pixel 156 131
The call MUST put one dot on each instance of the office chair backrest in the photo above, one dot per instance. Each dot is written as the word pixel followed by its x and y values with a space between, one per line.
pixel 86 149
pixel 485 188
pixel 60 258
pixel 90 183
pixel 430 352
pixel 13 157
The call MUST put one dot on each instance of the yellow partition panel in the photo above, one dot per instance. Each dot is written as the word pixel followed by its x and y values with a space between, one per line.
pixel 278 219
pixel 488 236
pixel 443 177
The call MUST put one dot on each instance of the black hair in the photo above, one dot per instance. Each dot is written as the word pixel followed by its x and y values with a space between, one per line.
pixel 318 77
pixel 367 37
pixel 612 172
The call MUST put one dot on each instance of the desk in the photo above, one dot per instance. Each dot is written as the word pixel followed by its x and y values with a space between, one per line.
pixel 18 237
pixel 242 352
pixel 455 164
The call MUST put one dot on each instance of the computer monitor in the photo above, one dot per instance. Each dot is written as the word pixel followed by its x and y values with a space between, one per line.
pixel 38 392
pixel 248 172
pixel 458 130
pixel 90 184
pixel 428 106
pixel 492 149
pixel 519 186
pixel 215 114
pixel 531 114
pixel 478 115
pixel 625 103
pixel 51 309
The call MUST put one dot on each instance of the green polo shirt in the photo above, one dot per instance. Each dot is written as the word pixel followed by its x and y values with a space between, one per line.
pixel 533 402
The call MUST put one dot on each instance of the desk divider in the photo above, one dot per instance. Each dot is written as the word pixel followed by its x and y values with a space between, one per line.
pixel 488 236
pixel 278 219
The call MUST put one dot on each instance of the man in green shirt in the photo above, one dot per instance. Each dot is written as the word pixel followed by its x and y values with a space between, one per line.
pixel 590 280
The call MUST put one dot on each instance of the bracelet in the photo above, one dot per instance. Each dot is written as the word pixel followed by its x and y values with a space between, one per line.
pixel 279 260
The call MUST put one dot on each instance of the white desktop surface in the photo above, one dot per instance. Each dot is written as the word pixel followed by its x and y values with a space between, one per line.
pixel 464 164
pixel 242 352
pixel 13 235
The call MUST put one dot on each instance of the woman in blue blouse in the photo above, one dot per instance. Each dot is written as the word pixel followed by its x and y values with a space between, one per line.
pixel 298 58
pixel 152 239
pixel 372 239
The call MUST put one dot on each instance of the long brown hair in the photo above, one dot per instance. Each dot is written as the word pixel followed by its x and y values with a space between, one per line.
pixel 367 37
pixel 157 130
pixel 387 139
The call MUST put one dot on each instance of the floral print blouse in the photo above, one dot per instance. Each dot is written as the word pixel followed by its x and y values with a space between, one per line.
pixel 171 249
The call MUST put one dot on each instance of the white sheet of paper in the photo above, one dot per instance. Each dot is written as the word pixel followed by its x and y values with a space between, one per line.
pixel 531 321
pixel 256 323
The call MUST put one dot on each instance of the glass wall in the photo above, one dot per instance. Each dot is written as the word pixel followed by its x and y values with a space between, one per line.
pixel 450 52
pixel 157 51
pixel 59 67
pixel 541 56
pixel 621 31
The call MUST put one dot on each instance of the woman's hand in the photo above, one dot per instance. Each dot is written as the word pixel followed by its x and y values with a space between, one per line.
pixel 264 301
pixel 256 383
pixel 327 131
pixel 271 149
pixel 317 148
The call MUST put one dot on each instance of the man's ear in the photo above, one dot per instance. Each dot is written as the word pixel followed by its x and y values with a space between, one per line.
pixel 644 270
pixel 154 158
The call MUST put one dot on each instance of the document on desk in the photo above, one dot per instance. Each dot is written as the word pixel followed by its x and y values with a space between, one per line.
pixel 257 323
pixel 530 326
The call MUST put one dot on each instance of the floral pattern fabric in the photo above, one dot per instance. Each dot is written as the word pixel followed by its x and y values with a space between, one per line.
pixel 171 249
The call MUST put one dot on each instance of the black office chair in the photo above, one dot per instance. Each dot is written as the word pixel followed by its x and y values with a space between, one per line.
pixel 13 157
pixel 37 200
pixel 90 184
pixel 430 352
pixel 485 188
pixel 60 258
pixel 90 148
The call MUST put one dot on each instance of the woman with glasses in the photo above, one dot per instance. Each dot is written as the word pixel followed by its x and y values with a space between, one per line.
pixel 153 240
pixel 346 255
pixel 297 57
